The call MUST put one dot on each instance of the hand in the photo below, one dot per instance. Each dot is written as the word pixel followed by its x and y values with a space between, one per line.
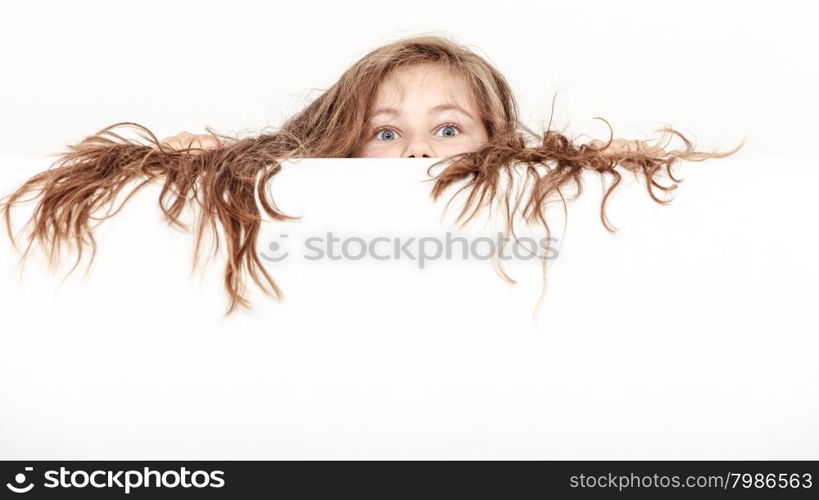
pixel 191 143
pixel 624 147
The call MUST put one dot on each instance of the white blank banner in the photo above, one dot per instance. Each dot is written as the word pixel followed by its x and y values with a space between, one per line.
pixel 688 334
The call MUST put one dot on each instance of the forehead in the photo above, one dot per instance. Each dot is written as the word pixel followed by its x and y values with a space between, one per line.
pixel 428 82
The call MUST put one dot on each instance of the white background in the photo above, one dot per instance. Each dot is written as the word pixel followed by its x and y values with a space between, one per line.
pixel 687 334
pixel 718 70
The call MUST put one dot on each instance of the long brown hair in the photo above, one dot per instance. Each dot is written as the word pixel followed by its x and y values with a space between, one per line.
pixel 228 184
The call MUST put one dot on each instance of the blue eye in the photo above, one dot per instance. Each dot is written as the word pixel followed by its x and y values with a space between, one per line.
pixel 449 131
pixel 386 134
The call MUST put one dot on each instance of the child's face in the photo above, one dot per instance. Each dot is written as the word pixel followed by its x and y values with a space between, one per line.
pixel 422 111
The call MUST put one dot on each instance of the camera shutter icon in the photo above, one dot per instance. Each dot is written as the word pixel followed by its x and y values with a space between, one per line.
pixel 20 478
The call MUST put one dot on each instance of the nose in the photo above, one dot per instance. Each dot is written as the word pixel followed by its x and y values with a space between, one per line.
pixel 419 149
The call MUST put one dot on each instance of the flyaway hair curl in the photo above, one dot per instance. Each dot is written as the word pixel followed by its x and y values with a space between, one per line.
pixel 227 186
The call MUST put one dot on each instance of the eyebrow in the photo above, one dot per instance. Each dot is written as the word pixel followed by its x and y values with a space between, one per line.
pixel 436 109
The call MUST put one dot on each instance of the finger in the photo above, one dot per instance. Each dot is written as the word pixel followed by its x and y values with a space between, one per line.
pixel 170 142
pixel 627 146
pixel 209 142
pixel 178 138
pixel 191 143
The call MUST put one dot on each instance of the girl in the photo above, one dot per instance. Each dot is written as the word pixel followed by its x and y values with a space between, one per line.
pixel 422 96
